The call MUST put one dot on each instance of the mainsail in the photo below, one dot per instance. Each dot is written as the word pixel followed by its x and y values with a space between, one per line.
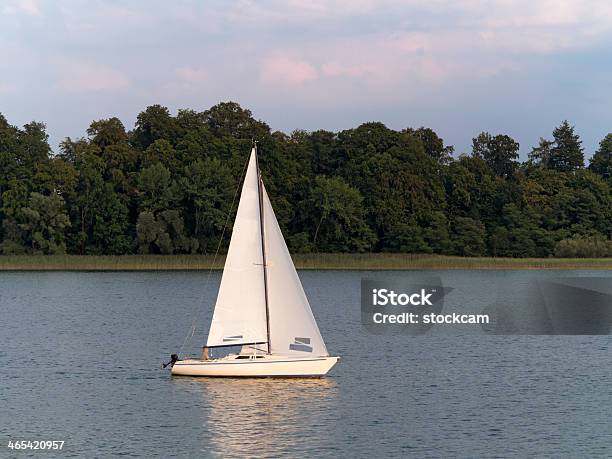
pixel 240 311
pixel 241 314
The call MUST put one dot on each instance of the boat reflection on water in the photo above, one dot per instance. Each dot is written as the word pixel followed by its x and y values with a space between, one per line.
pixel 268 417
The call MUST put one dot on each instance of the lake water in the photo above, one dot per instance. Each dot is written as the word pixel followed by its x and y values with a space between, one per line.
pixel 80 355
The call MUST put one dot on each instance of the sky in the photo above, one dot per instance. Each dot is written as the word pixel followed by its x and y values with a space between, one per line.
pixel 516 67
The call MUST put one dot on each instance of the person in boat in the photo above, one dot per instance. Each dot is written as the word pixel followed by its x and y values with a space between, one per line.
pixel 205 353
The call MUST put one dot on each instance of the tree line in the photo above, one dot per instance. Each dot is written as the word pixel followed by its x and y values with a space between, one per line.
pixel 167 187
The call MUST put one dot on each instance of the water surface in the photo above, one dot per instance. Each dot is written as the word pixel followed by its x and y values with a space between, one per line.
pixel 80 356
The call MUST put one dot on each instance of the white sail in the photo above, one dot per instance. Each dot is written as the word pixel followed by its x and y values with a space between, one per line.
pixel 240 311
pixel 293 329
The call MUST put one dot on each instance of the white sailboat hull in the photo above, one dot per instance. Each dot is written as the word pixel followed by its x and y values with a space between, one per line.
pixel 266 366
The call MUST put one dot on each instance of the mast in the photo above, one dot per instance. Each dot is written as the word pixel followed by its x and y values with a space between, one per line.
pixel 263 246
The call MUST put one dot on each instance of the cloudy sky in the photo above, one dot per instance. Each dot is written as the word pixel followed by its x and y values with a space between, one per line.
pixel 515 67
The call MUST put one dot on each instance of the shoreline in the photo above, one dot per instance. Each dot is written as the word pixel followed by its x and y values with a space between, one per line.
pixel 324 261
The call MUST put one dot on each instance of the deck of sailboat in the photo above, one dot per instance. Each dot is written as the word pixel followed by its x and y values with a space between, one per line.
pixel 256 366
pixel 268 359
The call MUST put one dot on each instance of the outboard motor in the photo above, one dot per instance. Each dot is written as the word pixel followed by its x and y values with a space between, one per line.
pixel 173 359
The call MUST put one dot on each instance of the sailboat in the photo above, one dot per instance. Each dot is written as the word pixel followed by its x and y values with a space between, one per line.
pixel 261 305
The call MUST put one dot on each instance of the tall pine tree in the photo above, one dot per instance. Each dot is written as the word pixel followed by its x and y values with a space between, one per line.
pixel 601 163
pixel 567 153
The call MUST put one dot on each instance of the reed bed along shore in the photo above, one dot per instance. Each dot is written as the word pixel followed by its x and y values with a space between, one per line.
pixel 371 261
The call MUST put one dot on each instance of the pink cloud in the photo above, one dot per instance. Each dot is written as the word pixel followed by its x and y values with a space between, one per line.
pixel 385 60
pixel 287 70
pixel 27 7
pixel 358 70
pixel 6 88
pixel 190 74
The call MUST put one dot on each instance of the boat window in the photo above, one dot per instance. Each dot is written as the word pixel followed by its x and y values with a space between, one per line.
pixel 242 357
pixel 259 356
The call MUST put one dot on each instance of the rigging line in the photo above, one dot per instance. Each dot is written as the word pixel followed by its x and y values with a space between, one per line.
pixel 191 332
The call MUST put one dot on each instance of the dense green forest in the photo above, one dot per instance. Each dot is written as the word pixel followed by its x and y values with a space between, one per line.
pixel 167 187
